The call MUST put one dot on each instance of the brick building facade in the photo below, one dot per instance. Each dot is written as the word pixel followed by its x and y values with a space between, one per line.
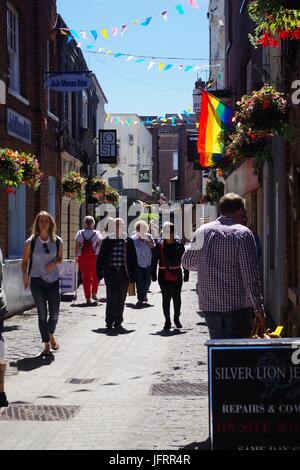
pixel 77 135
pixel 272 196
pixel 29 120
pixel 173 170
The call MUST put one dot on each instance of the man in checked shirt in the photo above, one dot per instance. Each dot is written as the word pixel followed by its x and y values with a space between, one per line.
pixel 224 254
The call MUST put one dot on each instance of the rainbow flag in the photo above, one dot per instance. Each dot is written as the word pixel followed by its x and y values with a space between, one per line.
pixel 214 117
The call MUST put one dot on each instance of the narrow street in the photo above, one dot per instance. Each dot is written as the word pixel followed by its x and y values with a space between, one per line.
pixel 145 389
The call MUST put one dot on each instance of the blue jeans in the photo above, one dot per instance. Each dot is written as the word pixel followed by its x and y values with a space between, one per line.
pixel 143 282
pixel 230 325
pixel 46 296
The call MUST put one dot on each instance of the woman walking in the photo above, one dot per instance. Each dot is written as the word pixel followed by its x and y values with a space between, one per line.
pixel 168 252
pixel 144 244
pixel 42 254
pixel 87 247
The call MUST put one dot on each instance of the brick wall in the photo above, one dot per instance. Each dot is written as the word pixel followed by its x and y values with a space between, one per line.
pixel 240 51
pixel 36 21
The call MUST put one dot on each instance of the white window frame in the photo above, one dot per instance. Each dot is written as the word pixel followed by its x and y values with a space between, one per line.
pixel 52 196
pixel 70 121
pixel 13 48
pixel 175 161
pixel 48 66
pixel 85 109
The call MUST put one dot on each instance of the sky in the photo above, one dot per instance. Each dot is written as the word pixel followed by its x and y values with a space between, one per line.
pixel 129 86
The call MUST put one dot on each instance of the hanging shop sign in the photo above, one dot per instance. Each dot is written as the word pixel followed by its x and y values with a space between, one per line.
pixel 108 146
pixel 144 176
pixel 67 82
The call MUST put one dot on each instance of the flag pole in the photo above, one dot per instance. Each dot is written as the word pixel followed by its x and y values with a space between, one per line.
pixel 216 98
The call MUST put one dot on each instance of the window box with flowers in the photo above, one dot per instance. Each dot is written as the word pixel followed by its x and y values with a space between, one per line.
pixel 275 20
pixel 73 186
pixel 19 168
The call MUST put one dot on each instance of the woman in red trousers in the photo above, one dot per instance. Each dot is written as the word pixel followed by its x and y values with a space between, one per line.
pixel 88 243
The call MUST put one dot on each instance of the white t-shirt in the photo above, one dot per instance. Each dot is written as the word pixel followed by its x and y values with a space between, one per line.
pixel 87 233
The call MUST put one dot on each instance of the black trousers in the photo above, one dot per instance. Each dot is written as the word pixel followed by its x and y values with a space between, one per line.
pixel 171 291
pixel 117 282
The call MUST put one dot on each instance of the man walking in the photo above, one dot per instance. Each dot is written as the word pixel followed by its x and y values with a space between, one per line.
pixel 117 263
pixel 224 254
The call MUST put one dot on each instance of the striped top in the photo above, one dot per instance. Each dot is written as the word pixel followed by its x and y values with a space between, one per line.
pixel 224 255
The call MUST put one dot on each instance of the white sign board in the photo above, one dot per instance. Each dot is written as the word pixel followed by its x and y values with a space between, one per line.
pixel 68 276
pixel 18 126
pixel 197 100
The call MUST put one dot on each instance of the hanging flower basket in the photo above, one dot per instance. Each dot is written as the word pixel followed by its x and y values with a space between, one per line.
pixel 98 188
pixel 264 113
pixel 10 171
pixel 214 190
pixel 32 175
pixel 19 168
pixel 112 196
pixel 274 22
pixel 73 186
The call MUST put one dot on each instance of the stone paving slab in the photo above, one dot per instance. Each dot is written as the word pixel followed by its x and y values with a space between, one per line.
pixel 117 410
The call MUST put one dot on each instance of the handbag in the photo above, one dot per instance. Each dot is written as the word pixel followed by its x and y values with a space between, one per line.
pixel 260 331
pixel 131 288
pixel 170 275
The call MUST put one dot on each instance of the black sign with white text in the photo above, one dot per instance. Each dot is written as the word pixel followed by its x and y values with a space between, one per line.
pixel 144 176
pixel 108 146
pixel 254 395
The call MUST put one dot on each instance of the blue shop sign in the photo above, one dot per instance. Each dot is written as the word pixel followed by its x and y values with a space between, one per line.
pixel 66 83
pixel 18 126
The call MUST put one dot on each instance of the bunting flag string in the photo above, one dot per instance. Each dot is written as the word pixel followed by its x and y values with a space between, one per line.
pixel 80 35
pixel 185 117
pixel 150 60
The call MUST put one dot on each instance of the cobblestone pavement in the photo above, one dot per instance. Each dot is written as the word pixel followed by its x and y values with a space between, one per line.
pixel 145 389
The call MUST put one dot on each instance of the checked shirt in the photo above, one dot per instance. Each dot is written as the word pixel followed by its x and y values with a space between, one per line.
pixel 224 255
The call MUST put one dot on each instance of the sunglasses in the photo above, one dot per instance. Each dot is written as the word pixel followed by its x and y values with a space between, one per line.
pixel 45 246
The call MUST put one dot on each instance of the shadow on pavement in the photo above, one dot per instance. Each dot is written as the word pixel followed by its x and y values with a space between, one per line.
pixel 205 445
pixel 105 331
pixel 32 363
pixel 67 297
pixel 6 329
pixel 93 304
pixel 168 333
pixel 123 331
pixel 113 331
pixel 145 305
